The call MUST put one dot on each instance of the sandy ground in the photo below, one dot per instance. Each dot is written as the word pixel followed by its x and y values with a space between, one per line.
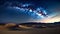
pixel 34 31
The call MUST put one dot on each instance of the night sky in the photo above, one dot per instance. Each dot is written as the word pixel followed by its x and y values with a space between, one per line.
pixel 15 15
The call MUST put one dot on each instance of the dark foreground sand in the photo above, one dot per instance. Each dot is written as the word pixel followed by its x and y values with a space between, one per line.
pixel 34 31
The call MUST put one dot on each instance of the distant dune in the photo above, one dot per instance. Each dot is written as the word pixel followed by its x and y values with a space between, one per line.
pixel 30 28
pixel 28 25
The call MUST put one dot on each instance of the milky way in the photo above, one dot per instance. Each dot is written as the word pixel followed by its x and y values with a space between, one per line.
pixel 29 9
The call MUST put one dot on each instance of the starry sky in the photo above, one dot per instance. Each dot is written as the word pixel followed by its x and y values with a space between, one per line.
pixel 15 15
